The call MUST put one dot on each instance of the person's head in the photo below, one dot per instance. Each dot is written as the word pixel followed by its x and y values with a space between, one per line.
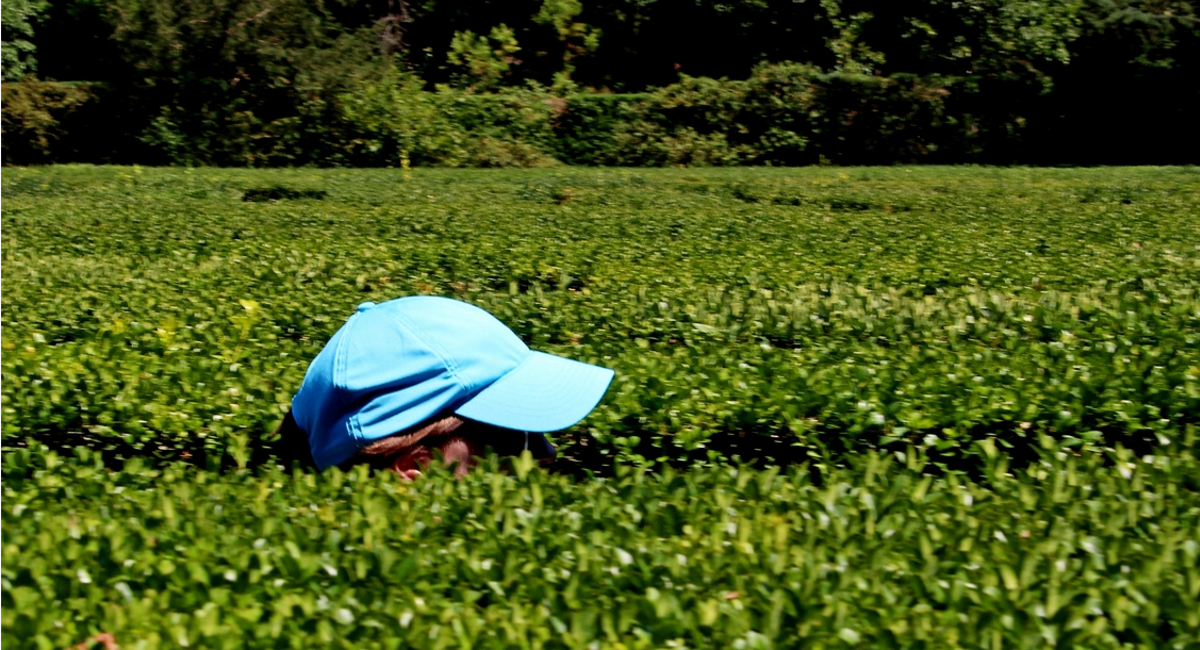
pixel 455 441
pixel 409 380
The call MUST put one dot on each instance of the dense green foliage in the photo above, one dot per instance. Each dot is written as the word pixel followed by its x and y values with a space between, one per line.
pixel 834 309
pixel 17 19
pixel 784 114
pixel 42 121
pixel 268 82
pixel 791 115
pixel 394 123
pixel 1073 552
pixel 991 377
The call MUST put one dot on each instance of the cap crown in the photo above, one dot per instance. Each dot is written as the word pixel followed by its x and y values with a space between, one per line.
pixel 395 365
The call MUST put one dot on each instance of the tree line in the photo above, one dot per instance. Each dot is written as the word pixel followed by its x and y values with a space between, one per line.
pixel 392 82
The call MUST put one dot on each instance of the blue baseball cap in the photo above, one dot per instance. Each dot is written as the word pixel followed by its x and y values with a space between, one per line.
pixel 397 364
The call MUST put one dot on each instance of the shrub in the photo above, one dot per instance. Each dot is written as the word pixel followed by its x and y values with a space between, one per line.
pixel 685 123
pixel 1073 552
pixel 850 119
pixel 786 114
pixel 45 121
pixel 585 130
pixel 786 313
pixel 512 129
pixel 395 122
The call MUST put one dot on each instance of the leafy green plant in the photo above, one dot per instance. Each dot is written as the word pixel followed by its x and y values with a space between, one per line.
pixel 37 115
pixel 577 38
pixel 841 310
pixel 789 114
pixel 18 53
pixel 984 385
pixel 397 123
pixel 1074 551
pixel 483 63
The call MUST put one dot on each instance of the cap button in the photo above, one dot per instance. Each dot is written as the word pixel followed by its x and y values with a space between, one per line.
pixel 365 306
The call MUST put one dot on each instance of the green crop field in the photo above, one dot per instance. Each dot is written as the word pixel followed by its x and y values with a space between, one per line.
pixel 984 384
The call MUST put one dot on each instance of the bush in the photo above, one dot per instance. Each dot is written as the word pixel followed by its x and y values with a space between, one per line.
pixel 786 114
pixel 513 129
pixel 585 130
pixel 46 121
pixel 682 124
pixel 395 122
pixel 1090 552
pixel 847 119
pixel 754 312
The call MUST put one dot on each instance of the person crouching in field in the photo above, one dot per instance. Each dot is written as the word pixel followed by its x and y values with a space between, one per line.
pixel 410 379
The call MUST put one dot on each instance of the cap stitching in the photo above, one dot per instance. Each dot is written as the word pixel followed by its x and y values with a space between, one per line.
pixel 339 379
pixel 451 366
pixel 339 361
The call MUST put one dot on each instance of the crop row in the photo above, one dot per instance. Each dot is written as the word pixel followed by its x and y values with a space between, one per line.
pixel 835 309
pixel 1073 551
pixel 808 362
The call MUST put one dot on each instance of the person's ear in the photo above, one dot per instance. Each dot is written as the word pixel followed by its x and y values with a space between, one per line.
pixel 458 453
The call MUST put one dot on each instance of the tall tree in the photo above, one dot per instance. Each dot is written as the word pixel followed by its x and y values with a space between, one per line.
pixel 17 50
pixel 212 76
pixel 1130 93
pixel 577 38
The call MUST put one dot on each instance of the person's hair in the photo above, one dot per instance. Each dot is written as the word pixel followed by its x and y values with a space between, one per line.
pixel 390 446
pixel 292 444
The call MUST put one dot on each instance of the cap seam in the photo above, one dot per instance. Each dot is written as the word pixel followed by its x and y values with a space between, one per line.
pixel 339 380
pixel 339 363
pixel 449 363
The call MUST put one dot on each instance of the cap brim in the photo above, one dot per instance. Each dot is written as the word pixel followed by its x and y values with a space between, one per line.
pixel 544 393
